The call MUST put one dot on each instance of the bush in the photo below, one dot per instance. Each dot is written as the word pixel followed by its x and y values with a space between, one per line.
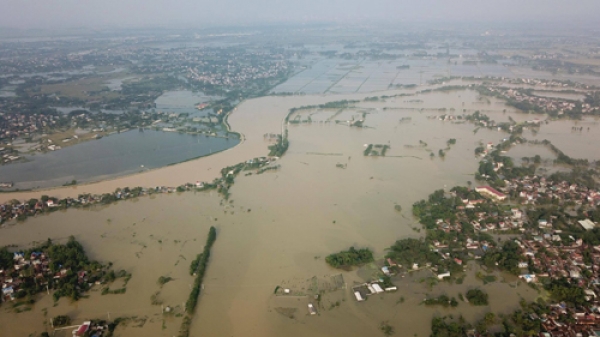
pixel 477 297
pixel 164 279
pixel 61 320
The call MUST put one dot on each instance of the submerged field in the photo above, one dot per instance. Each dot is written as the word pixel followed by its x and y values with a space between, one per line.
pixel 277 227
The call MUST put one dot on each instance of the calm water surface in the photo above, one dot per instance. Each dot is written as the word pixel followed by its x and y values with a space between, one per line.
pixel 112 156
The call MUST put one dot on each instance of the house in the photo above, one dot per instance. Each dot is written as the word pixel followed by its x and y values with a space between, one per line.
pixel 528 277
pixel 587 224
pixel 377 288
pixel 443 275
pixel 516 213
pixel 490 192
pixel 574 273
pixel 82 329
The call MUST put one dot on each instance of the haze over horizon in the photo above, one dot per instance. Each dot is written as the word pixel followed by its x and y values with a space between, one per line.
pixel 41 14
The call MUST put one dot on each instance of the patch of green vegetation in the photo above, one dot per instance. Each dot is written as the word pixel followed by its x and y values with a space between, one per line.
pixel 200 265
pixel 477 297
pixel 163 280
pixel 442 300
pixel 386 328
pixel 486 278
pixel 350 257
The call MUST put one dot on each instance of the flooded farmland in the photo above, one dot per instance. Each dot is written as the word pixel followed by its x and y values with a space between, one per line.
pixel 277 227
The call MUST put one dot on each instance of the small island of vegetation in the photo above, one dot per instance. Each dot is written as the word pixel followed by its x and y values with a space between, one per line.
pixel 350 257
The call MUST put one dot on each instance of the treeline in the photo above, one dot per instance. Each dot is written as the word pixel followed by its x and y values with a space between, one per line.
pixel 280 147
pixel 442 300
pixel 350 257
pixel 518 323
pixel 562 158
pixel 329 105
pixel 563 290
pixel 437 206
pixel 199 268
pixel 409 251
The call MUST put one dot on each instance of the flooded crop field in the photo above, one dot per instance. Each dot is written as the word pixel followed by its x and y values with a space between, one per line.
pixel 277 227
pixel 338 76
pixel 383 174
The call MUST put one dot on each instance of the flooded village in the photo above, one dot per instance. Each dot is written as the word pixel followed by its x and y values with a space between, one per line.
pixel 348 207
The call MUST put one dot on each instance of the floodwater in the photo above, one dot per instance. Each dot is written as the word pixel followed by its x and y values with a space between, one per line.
pixel 561 95
pixel 112 156
pixel 277 227
pixel 337 75
pixel 576 138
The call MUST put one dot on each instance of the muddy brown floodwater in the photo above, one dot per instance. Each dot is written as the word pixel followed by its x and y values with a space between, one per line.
pixel 278 226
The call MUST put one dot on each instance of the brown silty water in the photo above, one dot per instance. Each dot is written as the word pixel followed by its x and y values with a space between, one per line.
pixel 277 227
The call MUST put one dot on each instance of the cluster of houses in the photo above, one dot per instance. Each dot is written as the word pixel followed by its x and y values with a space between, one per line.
pixel 560 106
pixel 15 125
pixel 20 210
pixel 546 252
pixel 237 74
pixel 370 288
pixel 547 260
pixel 525 191
pixel 585 322
pixel 36 266
pixel 535 189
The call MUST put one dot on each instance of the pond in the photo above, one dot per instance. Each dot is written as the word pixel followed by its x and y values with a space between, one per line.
pixel 112 156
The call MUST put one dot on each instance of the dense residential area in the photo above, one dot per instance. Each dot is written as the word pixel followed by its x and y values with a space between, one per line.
pixel 545 232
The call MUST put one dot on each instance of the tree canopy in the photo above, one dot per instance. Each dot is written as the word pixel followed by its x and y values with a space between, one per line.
pixel 350 257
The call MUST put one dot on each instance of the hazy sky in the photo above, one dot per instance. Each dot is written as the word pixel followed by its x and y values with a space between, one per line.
pixel 96 13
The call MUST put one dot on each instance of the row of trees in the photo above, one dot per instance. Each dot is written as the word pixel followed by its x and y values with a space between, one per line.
pixel 442 300
pixel 198 266
pixel 280 147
